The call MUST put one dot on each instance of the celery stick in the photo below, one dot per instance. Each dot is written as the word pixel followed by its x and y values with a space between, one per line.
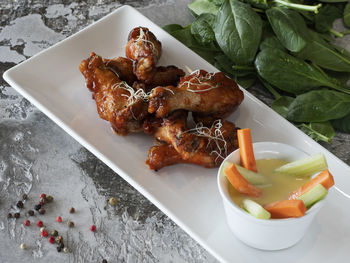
pixel 305 167
pixel 255 209
pixel 314 195
pixel 252 177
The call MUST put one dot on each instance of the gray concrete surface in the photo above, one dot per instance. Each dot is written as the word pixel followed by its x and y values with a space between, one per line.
pixel 37 156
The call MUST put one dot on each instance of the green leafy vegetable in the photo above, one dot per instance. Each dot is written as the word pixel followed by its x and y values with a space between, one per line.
pixel 325 18
pixel 289 73
pixel 202 30
pixel 172 28
pixel 342 124
pixel 199 7
pixel 319 106
pixel 289 27
pixel 271 42
pixel 332 1
pixel 246 81
pixel 319 131
pixel 347 15
pixel 238 31
pixel 325 55
pixel 281 105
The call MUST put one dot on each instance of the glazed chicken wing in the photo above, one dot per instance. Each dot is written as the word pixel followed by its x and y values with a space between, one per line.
pixel 172 130
pixel 123 68
pixel 200 92
pixel 215 144
pixel 113 96
pixel 144 48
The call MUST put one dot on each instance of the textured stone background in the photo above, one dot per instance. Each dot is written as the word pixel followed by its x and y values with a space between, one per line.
pixel 37 156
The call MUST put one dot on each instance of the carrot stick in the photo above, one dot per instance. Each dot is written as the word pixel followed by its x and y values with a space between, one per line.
pixel 240 183
pixel 286 208
pixel 325 178
pixel 246 149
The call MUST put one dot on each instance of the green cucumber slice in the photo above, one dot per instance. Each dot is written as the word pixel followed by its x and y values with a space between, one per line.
pixel 314 195
pixel 305 167
pixel 255 209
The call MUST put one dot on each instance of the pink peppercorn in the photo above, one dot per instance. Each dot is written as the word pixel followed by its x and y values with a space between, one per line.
pixel 26 222
pixel 40 223
pixel 52 239
pixel 59 219
pixel 93 228
pixel 42 195
pixel 44 233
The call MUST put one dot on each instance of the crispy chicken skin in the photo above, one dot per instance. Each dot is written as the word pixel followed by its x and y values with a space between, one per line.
pixel 172 130
pixel 200 92
pixel 144 48
pixel 165 76
pixel 123 68
pixel 210 153
pixel 111 99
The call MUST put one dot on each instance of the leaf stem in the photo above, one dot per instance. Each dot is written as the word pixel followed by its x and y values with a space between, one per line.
pixel 311 8
pixel 258 10
pixel 237 67
pixel 336 33
pixel 270 88
pixel 346 32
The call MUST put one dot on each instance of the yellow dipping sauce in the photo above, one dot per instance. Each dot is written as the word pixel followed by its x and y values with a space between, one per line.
pixel 279 189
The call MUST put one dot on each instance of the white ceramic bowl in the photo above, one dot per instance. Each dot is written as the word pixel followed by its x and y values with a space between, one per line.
pixel 272 234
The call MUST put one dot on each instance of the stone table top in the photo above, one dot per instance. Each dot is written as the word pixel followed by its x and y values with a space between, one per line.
pixel 37 156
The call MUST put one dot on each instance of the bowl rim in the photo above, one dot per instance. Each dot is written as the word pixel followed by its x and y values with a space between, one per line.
pixel 233 206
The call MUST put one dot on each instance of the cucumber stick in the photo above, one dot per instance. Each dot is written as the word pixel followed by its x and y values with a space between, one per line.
pixel 255 209
pixel 314 195
pixel 305 167
pixel 252 177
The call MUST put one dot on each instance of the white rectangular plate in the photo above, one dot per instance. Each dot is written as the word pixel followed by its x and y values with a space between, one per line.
pixel 186 193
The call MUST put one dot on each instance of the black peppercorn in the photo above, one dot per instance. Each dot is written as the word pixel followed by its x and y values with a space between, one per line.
pixel 59 249
pixel 104 260
pixel 37 207
pixel 25 196
pixel 61 245
pixel 31 212
pixel 9 215
pixel 17 215
pixel 19 204
pixel 42 211
pixel 70 224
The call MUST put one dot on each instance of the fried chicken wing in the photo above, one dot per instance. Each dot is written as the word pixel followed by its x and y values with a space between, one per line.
pixel 216 143
pixel 200 92
pixel 123 68
pixel 144 48
pixel 172 130
pixel 112 96
pixel 165 76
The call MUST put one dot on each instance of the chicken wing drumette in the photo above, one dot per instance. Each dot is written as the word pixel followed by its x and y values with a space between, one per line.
pixel 204 93
pixel 215 143
pixel 172 130
pixel 113 97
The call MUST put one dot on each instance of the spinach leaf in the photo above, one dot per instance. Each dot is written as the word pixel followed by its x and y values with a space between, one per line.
pixel 238 31
pixel 246 81
pixel 332 1
pixel 172 27
pixel 326 16
pixel 199 7
pixel 235 70
pixel 289 27
pixel 281 105
pixel 202 30
pixel 319 131
pixel 319 106
pixel 325 55
pixel 289 73
pixel 347 15
pixel 271 42
pixel 257 3
pixel 342 124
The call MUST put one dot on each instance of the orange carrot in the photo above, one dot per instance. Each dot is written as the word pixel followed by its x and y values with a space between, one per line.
pixel 325 178
pixel 240 183
pixel 246 149
pixel 286 208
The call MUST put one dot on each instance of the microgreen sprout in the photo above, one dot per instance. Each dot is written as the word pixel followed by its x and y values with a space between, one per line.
pixel 143 38
pixel 214 134
pixel 197 79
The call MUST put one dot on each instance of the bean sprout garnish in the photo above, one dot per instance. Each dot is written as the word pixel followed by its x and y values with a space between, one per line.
pixel 197 80
pixel 143 38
